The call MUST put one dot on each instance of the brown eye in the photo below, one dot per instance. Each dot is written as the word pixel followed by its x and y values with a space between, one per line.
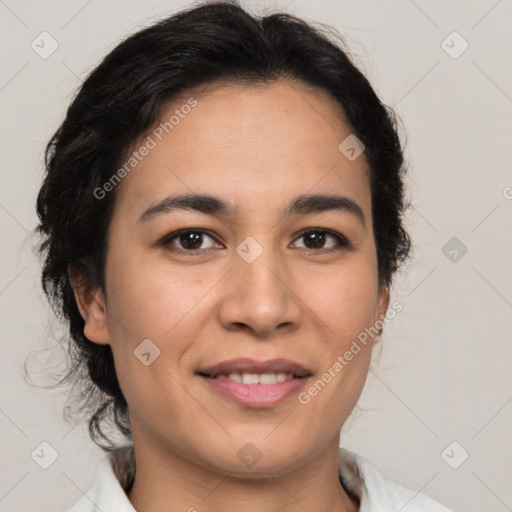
pixel 315 240
pixel 189 241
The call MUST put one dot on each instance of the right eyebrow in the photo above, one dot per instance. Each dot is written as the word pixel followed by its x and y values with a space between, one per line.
pixel 200 202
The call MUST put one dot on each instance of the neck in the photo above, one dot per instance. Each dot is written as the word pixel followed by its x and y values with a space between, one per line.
pixel 168 482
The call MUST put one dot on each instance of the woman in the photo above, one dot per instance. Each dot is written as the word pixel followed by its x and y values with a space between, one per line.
pixel 222 220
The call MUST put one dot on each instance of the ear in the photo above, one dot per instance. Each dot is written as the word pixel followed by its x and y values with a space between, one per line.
pixel 382 308
pixel 90 303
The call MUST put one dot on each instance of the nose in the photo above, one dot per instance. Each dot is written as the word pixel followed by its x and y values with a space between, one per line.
pixel 259 297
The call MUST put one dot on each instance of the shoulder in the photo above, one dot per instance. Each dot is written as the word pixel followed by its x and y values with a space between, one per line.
pixel 375 492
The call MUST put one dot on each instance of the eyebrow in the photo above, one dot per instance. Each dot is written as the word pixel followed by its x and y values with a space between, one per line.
pixel 211 205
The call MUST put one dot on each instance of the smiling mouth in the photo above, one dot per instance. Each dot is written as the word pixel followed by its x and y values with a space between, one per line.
pixel 254 390
pixel 253 383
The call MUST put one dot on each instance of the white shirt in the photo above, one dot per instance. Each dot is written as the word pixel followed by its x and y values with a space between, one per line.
pixel 357 475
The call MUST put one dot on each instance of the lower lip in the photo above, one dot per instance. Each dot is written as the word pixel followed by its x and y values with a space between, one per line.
pixel 255 395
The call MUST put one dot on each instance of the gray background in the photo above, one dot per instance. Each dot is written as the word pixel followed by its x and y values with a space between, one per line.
pixel 444 370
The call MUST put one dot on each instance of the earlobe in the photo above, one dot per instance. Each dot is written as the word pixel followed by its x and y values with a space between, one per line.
pixel 91 305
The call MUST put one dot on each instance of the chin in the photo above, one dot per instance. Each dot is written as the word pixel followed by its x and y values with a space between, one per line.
pixel 256 456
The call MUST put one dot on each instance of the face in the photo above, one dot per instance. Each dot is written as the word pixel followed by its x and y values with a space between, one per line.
pixel 253 279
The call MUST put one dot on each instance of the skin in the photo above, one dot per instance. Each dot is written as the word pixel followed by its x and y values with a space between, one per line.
pixel 257 148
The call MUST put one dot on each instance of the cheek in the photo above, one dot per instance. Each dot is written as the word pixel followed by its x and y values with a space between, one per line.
pixel 345 309
pixel 149 301
pixel 345 300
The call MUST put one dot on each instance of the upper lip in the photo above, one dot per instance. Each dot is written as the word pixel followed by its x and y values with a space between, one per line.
pixel 247 365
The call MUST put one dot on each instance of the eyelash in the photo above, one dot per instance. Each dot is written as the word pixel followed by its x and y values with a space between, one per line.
pixel 343 243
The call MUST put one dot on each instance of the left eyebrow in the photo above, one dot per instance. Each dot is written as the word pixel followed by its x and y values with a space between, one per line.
pixel 317 203
pixel 211 205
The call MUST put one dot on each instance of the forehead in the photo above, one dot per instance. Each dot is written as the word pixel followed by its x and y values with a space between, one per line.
pixel 247 144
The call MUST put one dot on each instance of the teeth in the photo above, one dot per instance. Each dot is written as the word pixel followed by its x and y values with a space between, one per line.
pixel 268 378
pixel 250 378
pixel 257 378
